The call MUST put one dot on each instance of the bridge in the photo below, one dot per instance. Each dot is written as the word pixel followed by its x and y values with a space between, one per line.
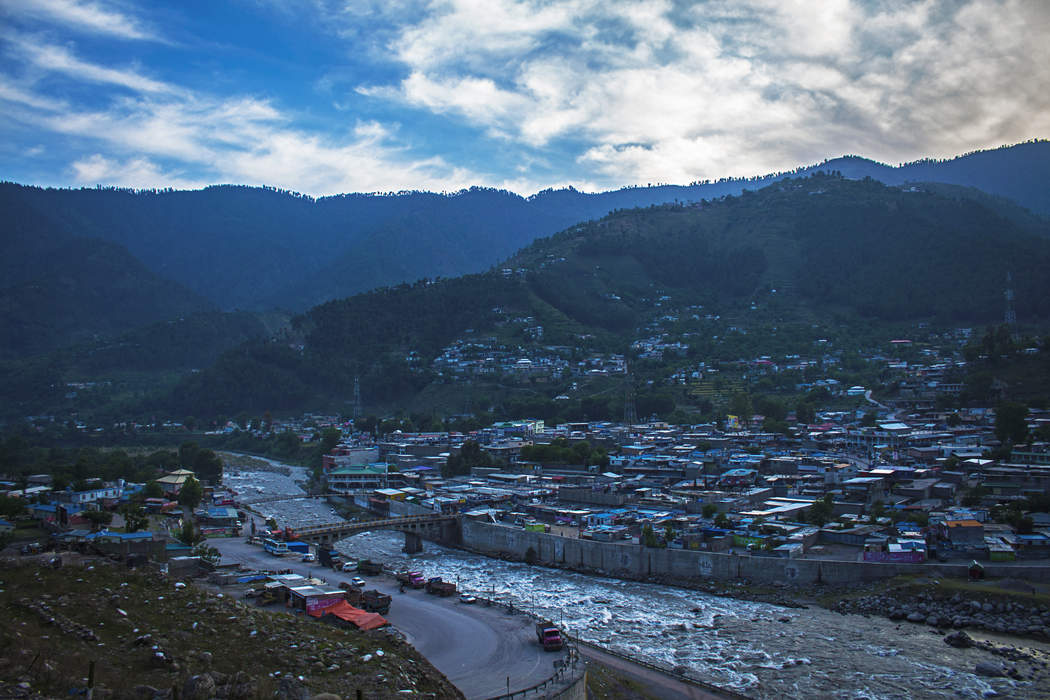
pixel 437 527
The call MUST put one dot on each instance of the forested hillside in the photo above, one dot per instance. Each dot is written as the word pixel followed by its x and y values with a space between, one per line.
pixel 800 249
pixel 259 248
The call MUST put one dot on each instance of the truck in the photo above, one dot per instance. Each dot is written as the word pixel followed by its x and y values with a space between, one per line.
pixel 329 557
pixel 299 547
pixel 548 635
pixel 366 567
pixel 441 588
pixel 413 579
pixel 372 601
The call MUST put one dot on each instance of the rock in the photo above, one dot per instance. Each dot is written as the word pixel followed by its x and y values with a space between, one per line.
pixel 933 621
pixel 200 687
pixel 291 689
pixel 959 640
pixel 988 668
pixel 916 617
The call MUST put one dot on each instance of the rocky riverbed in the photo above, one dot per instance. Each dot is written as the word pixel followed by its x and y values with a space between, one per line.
pixel 956 611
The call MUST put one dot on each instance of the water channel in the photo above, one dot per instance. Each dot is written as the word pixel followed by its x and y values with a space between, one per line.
pixel 762 650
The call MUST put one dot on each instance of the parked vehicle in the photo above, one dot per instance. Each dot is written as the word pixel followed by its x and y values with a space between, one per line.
pixel 309 556
pixel 441 588
pixel 374 601
pixel 358 581
pixel 330 557
pixel 367 567
pixel 349 566
pixel 413 579
pixel 548 635
pixel 467 598
pixel 275 547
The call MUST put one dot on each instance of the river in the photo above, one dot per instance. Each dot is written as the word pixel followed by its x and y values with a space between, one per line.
pixel 762 650
pixel 759 649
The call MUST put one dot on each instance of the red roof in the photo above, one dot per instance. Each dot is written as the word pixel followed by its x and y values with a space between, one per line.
pixel 344 611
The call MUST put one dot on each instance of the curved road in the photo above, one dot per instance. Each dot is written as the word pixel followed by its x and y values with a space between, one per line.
pixel 477 647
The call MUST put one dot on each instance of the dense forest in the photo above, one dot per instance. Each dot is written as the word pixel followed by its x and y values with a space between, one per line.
pixel 804 248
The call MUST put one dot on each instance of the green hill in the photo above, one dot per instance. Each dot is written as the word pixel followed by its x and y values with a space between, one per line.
pixel 797 252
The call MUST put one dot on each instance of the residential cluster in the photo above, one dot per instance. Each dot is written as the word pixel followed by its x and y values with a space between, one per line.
pixel 906 489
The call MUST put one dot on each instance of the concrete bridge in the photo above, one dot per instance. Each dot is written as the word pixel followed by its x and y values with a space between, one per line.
pixel 436 527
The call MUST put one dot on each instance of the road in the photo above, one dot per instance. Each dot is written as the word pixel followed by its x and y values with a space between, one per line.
pixel 477 647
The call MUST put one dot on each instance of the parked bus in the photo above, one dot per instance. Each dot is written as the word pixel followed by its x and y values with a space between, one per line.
pixel 275 547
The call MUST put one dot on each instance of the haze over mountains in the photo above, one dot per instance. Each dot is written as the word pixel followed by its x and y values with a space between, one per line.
pixel 253 248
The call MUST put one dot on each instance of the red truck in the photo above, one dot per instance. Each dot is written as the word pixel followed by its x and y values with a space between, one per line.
pixel 441 588
pixel 414 579
pixel 548 636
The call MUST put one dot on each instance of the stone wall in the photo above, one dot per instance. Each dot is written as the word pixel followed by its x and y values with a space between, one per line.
pixel 636 562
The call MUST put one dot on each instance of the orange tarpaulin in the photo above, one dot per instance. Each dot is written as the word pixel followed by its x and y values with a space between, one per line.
pixel 362 619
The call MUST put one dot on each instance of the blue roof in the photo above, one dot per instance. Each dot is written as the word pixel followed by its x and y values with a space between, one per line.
pixel 5 522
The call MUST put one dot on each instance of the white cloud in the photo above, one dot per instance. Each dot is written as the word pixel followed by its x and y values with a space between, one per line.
pixel 84 16
pixel 138 172
pixel 657 92
pixel 59 59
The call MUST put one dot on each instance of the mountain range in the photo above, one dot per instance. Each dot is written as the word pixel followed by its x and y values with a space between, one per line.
pixel 234 247
pixel 105 280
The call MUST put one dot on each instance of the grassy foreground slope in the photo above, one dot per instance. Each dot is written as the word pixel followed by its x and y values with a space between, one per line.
pixel 148 638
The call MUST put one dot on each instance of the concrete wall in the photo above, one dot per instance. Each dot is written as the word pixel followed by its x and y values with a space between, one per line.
pixel 636 562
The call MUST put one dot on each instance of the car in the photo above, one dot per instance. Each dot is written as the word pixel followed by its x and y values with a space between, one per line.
pixel 358 581
pixel 349 566
pixel 309 556
pixel 468 598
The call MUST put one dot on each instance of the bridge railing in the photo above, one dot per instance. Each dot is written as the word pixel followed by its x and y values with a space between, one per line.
pixel 371 524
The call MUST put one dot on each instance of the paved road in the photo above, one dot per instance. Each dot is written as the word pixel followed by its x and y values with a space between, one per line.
pixel 656 684
pixel 476 647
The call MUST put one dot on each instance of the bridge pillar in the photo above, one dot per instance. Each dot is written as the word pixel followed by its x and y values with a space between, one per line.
pixel 413 543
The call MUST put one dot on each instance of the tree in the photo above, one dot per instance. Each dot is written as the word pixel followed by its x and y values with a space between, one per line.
pixel 649 537
pixel 740 406
pixel 953 420
pixel 722 521
pixel 135 517
pixel 805 413
pixel 190 494
pixel 152 490
pixel 207 553
pixel 11 506
pixel 821 511
pixel 531 556
pixel 98 518
pixel 189 534
pixel 1011 422
pixel 208 466
pixel 709 510
pixel 668 533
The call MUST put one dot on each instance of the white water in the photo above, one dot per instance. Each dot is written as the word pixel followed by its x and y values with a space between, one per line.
pixel 731 643
pixel 736 644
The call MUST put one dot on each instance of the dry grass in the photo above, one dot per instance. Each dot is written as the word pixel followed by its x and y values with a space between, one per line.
pixel 58 621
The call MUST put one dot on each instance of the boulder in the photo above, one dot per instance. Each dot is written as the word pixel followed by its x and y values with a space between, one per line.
pixel 201 687
pixel 959 640
pixel 916 617
pixel 988 668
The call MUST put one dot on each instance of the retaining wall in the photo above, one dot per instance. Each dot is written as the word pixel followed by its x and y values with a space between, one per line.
pixel 636 562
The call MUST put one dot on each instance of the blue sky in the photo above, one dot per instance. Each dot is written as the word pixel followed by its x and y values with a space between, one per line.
pixel 325 96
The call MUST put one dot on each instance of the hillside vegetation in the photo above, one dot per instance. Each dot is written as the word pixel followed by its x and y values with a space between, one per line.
pixel 797 251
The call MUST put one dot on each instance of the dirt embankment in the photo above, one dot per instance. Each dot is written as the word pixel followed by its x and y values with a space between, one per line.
pixel 147 636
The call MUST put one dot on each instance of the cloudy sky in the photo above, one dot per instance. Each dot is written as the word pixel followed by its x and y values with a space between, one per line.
pixel 380 95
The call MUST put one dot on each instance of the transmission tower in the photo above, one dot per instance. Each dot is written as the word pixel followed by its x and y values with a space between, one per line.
pixel 1010 315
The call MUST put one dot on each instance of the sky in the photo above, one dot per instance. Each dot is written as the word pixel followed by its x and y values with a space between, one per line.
pixel 331 96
